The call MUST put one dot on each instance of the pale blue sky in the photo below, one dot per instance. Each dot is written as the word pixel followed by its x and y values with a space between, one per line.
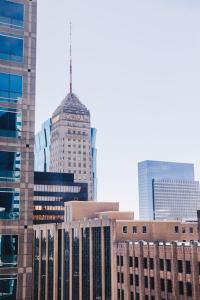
pixel 136 66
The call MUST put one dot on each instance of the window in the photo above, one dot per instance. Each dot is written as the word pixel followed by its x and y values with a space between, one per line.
pixel 8 251
pixel 183 229
pixel 181 288
pixel 11 13
pixel 191 230
pixel 137 280
pixel 130 261
pixel 118 260
pixel 118 277
pixel 161 264
pixel 131 279
pixel 121 260
pixel 188 267
pixel 118 294
pixel 10 87
pixel 122 294
pixel 152 283
pixel 144 229
pixel 189 289
pixel 136 262
pixel 125 229
pixel 145 262
pixel 132 296
pixel 162 284
pixel 11 48
pixel 176 229
pixel 9 203
pixel 169 286
pixel 168 265
pixel 122 277
pixel 8 286
pixel 134 229
pixel 151 263
pixel 180 266
pixel 10 122
pixel 10 164
pixel 146 282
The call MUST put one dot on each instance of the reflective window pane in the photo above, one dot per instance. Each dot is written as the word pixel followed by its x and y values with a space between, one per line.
pixel 8 287
pixel 11 48
pixel 10 163
pixel 10 122
pixel 8 251
pixel 11 13
pixel 9 203
pixel 10 87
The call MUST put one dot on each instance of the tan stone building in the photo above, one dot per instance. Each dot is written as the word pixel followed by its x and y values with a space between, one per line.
pixel 101 253
pixel 71 150
pixel 17 121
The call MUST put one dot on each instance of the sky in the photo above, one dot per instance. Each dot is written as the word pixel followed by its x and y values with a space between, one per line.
pixel 136 66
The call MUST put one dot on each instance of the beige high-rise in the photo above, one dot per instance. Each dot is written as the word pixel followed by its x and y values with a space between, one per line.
pixel 71 141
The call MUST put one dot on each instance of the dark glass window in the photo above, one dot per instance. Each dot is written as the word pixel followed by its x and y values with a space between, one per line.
pixel 118 294
pixel 176 229
pixel 10 163
pixel 10 122
pixel 125 229
pixel 8 251
pixel 10 87
pixel 85 264
pixel 146 282
pixel 122 260
pixel 137 296
pixel 118 277
pixel 122 277
pixel 9 203
pixel 144 229
pixel 122 294
pixel 131 279
pixel 181 288
pixel 151 263
pixel 168 261
pixel 11 13
pixel 11 48
pixel 134 229
pixel 130 261
pixel 169 286
pixel 152 283
pixel 145 262
pixel 188 267
pixel 180 266
pixel 191 230
pixel 162 264
pixel 118 260
pixel 97 263
pixel 132 296
pixel 199 267
pixel 137 280
pixel 136 262
pixel 107 254
pixel 8 287
pixel 162 284
pixel 189 289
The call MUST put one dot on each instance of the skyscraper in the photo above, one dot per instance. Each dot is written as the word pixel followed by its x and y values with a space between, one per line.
pixel 148 171
pixel 17 110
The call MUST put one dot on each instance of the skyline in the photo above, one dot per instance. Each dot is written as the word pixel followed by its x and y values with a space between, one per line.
pixel 158 70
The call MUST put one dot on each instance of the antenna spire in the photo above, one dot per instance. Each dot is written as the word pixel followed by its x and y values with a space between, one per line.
pixel 70 87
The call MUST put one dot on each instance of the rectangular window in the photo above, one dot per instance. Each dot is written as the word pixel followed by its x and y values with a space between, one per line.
pixel 146 282
pixel 122 277
pixel 169 286
pixel 132 296
pixel 9 203
pixel 125 229
pixel 121 261
pixel 191 230
pixel 162 264
pixel 180 266
pixel 136 262
pixel 176 229
pixel 8 251
pixel 130 261
pixel 181 288
pixel 118 277
pixel 10 87
pixel 189 289
pixel 11 13
pixel 151 263
pixel 131 279
pixel 10 164
pixel 118 260
pixel 11 48
pixel 144 229
pixel 134 229
pixel 8 286
pixel 168 265
pixel 137 280
pixel 10 122
pixel 145 262
pixel 152 285
pixel 188 267
pixel 162 284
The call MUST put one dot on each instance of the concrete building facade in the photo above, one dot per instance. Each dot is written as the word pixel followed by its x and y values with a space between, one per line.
pixel 17 121
pixel 87 256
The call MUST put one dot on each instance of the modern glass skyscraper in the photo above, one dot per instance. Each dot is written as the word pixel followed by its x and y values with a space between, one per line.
pixel 17 117
pixel 148 171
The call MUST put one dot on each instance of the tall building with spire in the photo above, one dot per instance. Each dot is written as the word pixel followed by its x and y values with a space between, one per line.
pixel 71 145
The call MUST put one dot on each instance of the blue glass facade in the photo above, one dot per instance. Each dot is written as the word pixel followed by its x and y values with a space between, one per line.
pixel 9 203
pixel 8 251
pixel 10 165
pixel 10 87
pixel 148 171
pixel 11 13
pixel 10 122
pixel 11 48
pixel 8 287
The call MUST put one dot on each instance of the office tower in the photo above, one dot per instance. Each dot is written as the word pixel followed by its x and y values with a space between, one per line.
pixel 17 106
pixel 153 170
pixel 51 191
pixel 101 253
pixel 43 148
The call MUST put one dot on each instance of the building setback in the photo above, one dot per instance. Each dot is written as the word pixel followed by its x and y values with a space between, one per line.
pixel 17 121
pixel 150 171
pixel 87 256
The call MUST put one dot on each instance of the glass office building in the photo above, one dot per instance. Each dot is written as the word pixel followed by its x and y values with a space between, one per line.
pixel 43 147
pixel 148 171
pixel 17 110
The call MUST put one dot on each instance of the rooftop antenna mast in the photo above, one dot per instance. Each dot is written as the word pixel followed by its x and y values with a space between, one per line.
pixel 70 87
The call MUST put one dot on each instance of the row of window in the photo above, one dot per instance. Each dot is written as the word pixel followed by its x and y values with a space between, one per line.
pixel 177 229
pixel 134 229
